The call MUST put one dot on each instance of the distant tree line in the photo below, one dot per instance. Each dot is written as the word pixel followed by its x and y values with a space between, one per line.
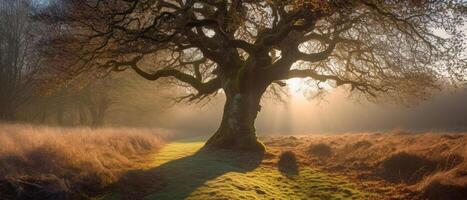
pixel 33 91
pixel 19 63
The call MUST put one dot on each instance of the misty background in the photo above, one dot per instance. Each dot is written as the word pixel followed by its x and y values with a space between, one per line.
pixel 336 112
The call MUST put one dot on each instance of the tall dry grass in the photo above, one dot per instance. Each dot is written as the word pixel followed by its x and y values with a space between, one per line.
pixel 80 156
pixel 434 164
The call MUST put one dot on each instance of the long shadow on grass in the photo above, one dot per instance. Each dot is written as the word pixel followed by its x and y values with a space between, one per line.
pixel 177 179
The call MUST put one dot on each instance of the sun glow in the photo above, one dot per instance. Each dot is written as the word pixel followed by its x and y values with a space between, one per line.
pixel 295 87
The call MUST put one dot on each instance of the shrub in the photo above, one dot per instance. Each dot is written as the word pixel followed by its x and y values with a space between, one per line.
pixel 406 167
pixel 437 189
pixel 320 150
pixel 288 163
pixel 411 168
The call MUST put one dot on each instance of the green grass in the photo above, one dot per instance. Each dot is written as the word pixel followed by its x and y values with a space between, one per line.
pixel 183 173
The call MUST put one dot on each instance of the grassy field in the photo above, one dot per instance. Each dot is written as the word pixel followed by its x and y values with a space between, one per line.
pixel 423 165
pixel 185 173
pixel 120 164
pixel 40 161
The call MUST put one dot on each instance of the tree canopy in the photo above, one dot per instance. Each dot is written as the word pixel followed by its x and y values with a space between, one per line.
pixel 243 47
pixel 374 46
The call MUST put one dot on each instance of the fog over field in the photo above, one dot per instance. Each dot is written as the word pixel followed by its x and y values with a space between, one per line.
pixel 335 113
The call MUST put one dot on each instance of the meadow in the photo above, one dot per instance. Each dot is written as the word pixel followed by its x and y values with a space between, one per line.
pixel 40 162
pixel 427 165
pixel 75 75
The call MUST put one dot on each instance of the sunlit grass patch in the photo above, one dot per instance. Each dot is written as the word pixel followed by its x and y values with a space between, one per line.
pixel 268 183
pixel 188 174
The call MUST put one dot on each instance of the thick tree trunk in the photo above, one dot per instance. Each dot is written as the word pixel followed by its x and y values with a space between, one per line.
pixel 237 129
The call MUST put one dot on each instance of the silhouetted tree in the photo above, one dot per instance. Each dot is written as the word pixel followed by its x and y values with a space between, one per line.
pixel 96 98
pixel 19 63
pixel 243 47
pixel 85 101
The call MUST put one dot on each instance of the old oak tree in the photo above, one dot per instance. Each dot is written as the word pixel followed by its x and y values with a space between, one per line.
pixel 242 48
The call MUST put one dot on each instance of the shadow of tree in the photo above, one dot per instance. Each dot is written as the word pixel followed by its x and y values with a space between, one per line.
pixel 177 179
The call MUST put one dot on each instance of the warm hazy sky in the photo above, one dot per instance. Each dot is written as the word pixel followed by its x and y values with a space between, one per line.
pixel 336 113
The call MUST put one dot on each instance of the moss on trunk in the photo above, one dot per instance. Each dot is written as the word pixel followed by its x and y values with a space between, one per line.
pixel 237 129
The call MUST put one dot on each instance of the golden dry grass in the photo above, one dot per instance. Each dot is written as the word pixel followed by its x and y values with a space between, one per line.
pixel 83 157
pixel 433 164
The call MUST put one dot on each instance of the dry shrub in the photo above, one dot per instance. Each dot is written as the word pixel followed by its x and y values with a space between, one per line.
pixel 412 168
pixel 436 189
pixel 406 167
pixel 288 163
pixel 320 150
pixel 445 185
pixel 86 158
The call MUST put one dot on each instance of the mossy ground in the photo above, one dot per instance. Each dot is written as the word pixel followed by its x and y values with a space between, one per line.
pixel 184 173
